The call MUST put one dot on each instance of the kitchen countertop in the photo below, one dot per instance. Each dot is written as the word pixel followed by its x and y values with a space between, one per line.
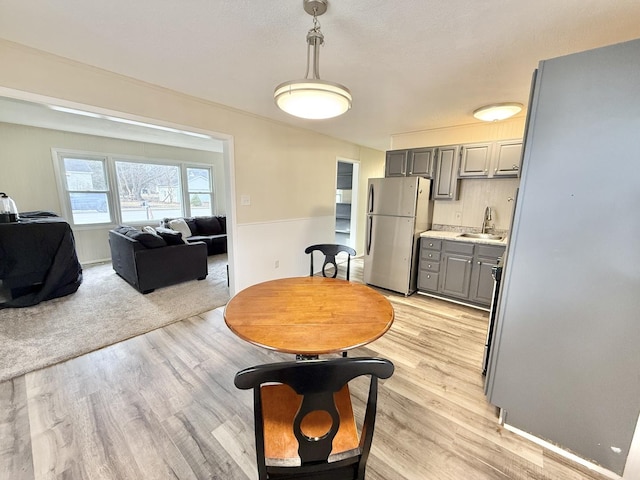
pixel 446 235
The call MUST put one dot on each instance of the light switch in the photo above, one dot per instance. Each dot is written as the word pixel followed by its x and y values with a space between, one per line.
pixel 245 200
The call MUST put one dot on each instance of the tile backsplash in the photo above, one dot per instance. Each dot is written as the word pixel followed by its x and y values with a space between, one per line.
pixel 466 213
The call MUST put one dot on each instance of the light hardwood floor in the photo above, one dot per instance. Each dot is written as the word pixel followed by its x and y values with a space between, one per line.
pixel 163 406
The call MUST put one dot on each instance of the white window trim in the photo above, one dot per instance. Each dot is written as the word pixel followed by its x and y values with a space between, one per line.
pixel 58 154
pixel 185 185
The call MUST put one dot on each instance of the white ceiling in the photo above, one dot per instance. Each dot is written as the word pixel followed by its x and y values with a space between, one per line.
pixel 410 64
pixel 40 115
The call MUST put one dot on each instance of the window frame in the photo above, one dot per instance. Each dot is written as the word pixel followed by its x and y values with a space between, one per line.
pixel 64 193
pixel 185 187
pixel 113 197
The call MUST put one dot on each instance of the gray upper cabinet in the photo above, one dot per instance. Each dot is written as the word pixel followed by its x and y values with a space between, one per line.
pixel 415 162
pixel 491 159
pixel 449 163
pixel 507 158
pixel 420 162
pixel 396 163
pixel 475 159
pixel 445 185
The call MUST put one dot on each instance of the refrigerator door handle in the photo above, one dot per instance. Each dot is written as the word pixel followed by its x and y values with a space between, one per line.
pixel 369 232
pixel 370 198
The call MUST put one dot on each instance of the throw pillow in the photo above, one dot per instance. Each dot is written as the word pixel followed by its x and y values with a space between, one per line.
pixel 151 230
pixel 191 223
pixel 179 225
pixel 170 236
pixel 123 229
pixel 147 239
pixel 208 226
pixel 223 223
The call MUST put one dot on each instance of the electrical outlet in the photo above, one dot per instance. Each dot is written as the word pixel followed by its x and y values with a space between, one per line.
pixel 277 264
pixel 458 216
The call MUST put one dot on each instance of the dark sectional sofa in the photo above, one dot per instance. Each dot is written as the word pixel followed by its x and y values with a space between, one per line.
pixel 148 261
pixel 211 230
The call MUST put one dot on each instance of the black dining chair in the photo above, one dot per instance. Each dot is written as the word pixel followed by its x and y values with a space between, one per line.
pixel 330 251
pixel 304 423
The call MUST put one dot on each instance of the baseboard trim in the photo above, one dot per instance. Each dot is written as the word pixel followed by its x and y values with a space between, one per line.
pixel 459 302
pixel 564 453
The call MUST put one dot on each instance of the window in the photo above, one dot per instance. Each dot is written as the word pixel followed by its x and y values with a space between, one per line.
pixel 85 181
pixel 148 191
pixel 100 189
pixel 199 190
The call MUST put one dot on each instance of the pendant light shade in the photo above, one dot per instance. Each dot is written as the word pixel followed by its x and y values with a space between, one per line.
pixel 497 111
pixel 311 97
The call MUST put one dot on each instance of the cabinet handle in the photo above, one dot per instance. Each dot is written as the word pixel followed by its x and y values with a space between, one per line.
pixel 468 261
pixel 431 244
pixel 451 194
pixel 515 167
pixel 429 266
pixel 430 255
pixel 479 263
pixel 428 276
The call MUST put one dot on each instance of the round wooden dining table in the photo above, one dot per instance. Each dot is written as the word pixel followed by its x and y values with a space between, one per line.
pixel 309 316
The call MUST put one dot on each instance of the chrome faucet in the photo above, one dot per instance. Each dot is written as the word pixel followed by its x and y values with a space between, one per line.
pixel 486 220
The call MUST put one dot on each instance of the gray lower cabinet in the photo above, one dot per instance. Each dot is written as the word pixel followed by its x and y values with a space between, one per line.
pixel 429 271
pixel 457 258
pixel 458 270
pixel 484 259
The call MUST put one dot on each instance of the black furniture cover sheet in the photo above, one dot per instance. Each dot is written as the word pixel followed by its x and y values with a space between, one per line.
pixel 38 259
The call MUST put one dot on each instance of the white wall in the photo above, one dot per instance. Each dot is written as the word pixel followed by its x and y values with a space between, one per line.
pixel 288 172
pixel 276 259
pixel 28 173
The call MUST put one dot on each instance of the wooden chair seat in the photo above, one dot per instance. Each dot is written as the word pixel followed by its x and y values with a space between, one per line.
pixel 280 404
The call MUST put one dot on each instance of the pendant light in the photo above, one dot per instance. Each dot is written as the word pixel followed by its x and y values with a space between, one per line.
pixel 497 111
pixel 311 97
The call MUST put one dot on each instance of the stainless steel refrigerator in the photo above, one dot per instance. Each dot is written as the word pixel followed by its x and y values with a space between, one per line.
pixel 398 210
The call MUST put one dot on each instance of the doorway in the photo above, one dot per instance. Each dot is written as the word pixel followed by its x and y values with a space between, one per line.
pixel 34 112
pixel 348 172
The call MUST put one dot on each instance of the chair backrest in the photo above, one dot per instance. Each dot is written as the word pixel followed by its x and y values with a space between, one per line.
pixel 318 382
pixel 330 251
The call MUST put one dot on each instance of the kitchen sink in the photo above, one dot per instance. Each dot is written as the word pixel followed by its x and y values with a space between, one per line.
pixel 484 236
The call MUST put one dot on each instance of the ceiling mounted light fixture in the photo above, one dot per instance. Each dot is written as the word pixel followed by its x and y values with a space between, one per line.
pixel 497 111
pixel 311 97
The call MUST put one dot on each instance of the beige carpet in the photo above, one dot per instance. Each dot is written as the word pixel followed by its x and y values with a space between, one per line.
pixel 104 310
